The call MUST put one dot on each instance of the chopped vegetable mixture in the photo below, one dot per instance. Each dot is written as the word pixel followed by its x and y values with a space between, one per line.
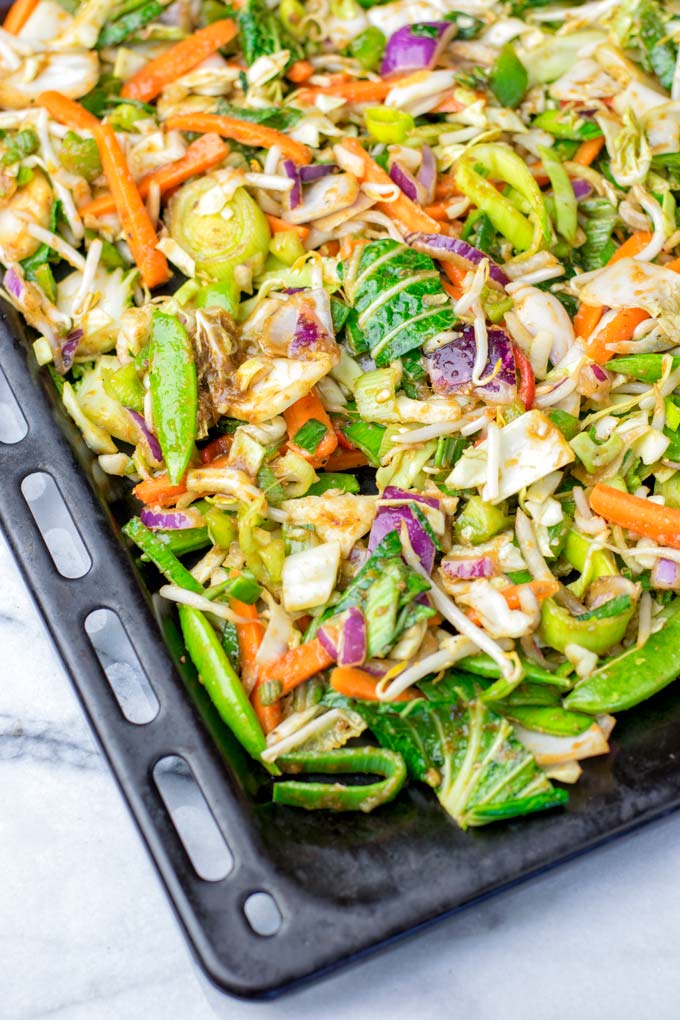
pixel 375 307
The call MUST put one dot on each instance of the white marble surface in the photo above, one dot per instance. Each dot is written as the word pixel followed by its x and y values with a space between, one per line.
pixel 86 933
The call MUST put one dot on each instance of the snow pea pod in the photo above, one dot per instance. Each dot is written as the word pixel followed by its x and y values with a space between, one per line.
pixel 337 796
pixel 552 719
pixel 174 392
pixel 161 555
pixel 483 665
pixel 634 676
pixel 644 367
pixel 226 691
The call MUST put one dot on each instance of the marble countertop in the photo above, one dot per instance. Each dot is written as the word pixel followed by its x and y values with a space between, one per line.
pixel 87 934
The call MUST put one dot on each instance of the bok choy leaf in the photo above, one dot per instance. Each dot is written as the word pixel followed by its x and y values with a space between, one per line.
pixel 466 752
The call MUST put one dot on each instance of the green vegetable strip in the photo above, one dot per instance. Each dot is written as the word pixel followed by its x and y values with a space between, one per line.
pixel 161 556
pixel 220 681
pixel 174 392
pixel 565 200
pixel 310 435
pixel 337 796
pixel 508 78
pixel 115 32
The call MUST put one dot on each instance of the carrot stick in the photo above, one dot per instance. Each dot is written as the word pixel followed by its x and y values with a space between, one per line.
pixel 619 329
pixel 446 187
pixel 241 131
pixel 345 460
pixel 158 491
pixel 540 589
pixel 588 316
pixel 249 636
pixel 300 71
pixel 277 226
pixel 437 212
pixel 137 227
pixel 297 665
pixel 134 219
pixel 354 91
pixel 18 15
pixel 298 414
pixel 662 523
pixel 180 58
pixel 356 683
pixel 201 155
pixel 406 212
pixel 68 112
pixel 456 274
pixel 588 151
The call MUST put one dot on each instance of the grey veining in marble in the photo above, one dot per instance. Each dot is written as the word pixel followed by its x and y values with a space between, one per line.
pixel 86 932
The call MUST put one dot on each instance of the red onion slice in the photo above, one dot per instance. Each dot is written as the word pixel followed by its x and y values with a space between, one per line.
pixel 450 366
pixel 307 174
pixel 468 569
pixel 407 183
pixel 14 283
pixel 170 520
pixel 390 518
pixel 295 194
pixel 352 646
pixel 427 174
pixel 328 635
pixel 441 246
pixel 581 188
pixel 665 574
pixel 416 47
pixel 69 348
pixel 147 435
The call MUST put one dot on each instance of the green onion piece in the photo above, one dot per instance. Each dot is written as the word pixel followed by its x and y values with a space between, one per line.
pixel 80 156
pixel 367 437
pixel 567 125
pixel 310 435
pixel 23 143
pixel 388 126
pixel 270 691
pixel 230 645
pixel 565 199
pixel 221 527
pixel 334 480
pixel 367 47
pixel 183 540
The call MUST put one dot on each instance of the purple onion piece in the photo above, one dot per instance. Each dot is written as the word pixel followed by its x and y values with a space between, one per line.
pixel 69 348
pixel 377 667
pixel 171 520
pixel 415 47
pixel 450 366
pixel 581 188
pixel 328 637
pixel 406 182
pixel 293 290
pixel 599 373
pixel 149 437
pixel 390 518
pixel 352 646
pixel 14 283
pixel 307 174
pixel 393 492
pixel 441 246
pixel 308 332
pixel 468 569
pixel 295 194
pixel 427 174
pixel 665 574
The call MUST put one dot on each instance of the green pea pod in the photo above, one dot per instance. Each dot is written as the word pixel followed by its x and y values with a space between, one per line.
pixel 552 719
pixel 634 676
pixel 221 682
pixel 181 541
pixel 595 631
pixel 336 796
pixel 161 555
pixel 501 163
pixel 644 367
pixel 483 665
pixel 174 392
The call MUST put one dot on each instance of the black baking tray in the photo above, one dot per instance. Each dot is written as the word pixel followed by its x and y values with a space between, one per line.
pixel 344 884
